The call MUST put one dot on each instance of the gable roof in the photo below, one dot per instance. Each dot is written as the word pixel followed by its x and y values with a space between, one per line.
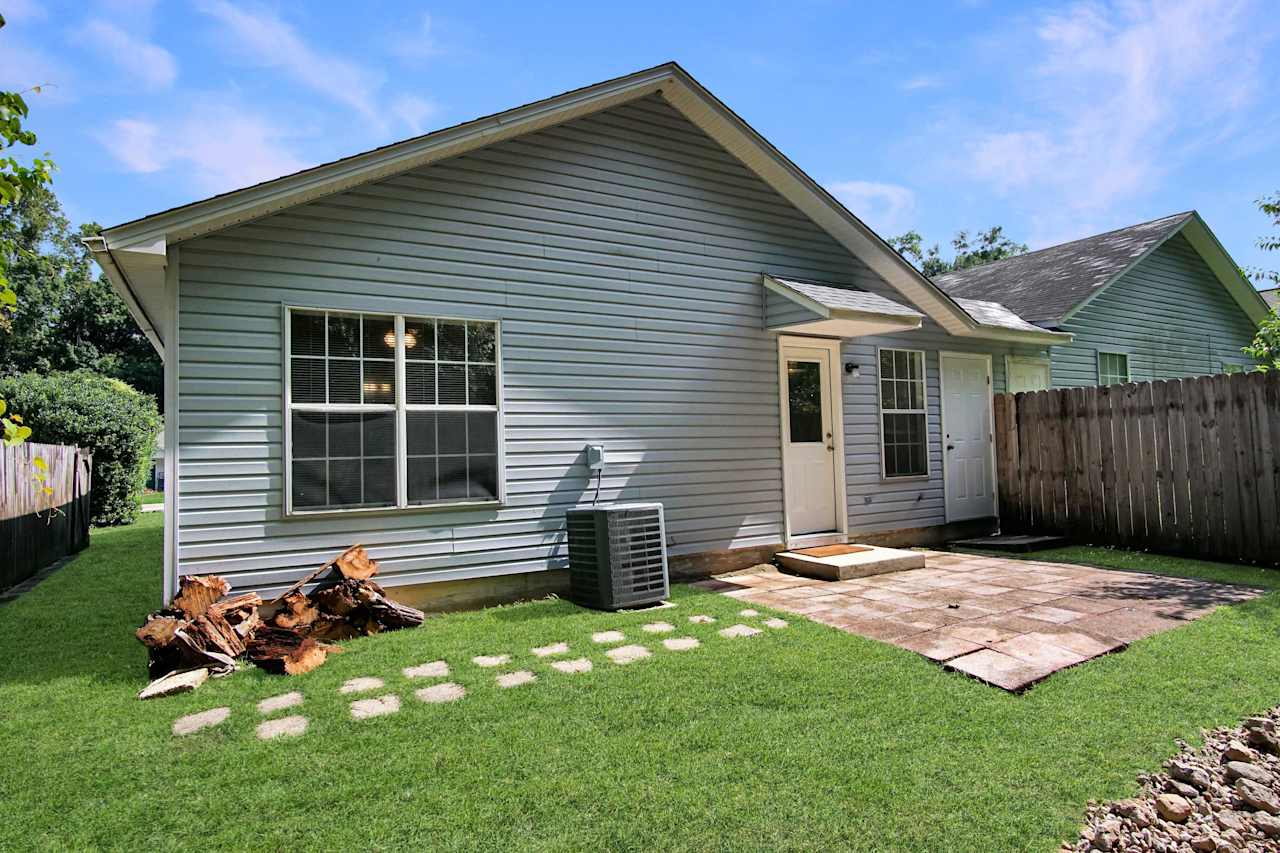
pixel 1047 286
pixel 134 254
pixel 1271 296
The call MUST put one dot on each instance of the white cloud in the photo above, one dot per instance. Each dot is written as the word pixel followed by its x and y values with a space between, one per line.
pixel 270 42
pixel 413 111
pixel 1120 93
pixel 419 42
pixel 887 208
pixel 147 63
pixel 921 81
pixel 217 146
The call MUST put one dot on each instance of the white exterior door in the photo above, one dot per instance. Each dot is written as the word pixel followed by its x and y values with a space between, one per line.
pixel 966 432
pixel 808 436
pixel 1026 374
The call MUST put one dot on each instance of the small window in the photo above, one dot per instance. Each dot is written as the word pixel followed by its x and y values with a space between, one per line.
pixel 903 430
pixel 348 404
pixel 1230 367
pixel 1113 368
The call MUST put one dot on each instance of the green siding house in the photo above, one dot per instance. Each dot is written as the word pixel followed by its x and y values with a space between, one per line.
pixel 1157 300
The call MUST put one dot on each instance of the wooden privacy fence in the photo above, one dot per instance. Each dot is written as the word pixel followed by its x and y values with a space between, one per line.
pixel 37 529
pixel 1183 465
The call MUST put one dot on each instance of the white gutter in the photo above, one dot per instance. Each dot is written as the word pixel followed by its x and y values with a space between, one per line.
pixel 120 284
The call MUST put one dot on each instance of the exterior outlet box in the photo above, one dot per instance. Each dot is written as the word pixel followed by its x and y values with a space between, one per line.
pixel 617 555
pixel 595 457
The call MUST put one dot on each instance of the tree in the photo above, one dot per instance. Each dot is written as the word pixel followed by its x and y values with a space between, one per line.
pixel 68 317
pixel 15 180
pixel 1270 207
pixel 985 247
pixel 1266 344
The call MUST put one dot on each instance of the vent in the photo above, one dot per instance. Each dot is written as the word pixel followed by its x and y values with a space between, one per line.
pixel 617 556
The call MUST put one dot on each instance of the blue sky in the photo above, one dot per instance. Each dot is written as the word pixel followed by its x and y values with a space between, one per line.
pixel 1056 120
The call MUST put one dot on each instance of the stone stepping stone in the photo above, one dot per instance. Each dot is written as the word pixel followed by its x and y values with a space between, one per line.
pixel 572 667
pixel 681 644
pixel 553 649
pixel 515 679
pixel 748 612
pixel 775 622
pixel 659 628
pixel 435 669
pixel 279 703
pixel 192 723
pixel 739 631
pixel 491 660
pixel 437 693
pixel 702 619
pixel 627 654
pixel 360 685
pixel 606 637
pixel 282 727
pixel 363 709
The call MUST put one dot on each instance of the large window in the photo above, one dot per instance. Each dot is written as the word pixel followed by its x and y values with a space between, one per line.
pixel 1113 368
pixel 391 411
pixel 902 414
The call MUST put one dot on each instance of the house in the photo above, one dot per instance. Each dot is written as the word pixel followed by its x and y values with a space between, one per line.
pixel 1158 300
pixel 411 348
pixel 1271 296
pixel 155 474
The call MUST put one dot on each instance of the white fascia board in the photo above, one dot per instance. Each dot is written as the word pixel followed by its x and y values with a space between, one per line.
pixel 997 333
pixel 118 276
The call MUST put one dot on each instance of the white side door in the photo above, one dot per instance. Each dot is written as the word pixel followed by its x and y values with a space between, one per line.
pixel 808 437
pixel 967 453
pixel 1027 374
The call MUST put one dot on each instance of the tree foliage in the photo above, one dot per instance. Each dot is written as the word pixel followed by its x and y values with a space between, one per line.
pixel 970 251
pixel 1266 344
pixel 68 318
pixel 1270 207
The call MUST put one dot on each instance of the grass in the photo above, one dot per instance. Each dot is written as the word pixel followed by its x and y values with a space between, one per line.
pixel 153 497
pixel 804 738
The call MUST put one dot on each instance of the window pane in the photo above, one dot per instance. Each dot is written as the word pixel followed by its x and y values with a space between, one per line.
pixel 482 476
pixel 886 364
pixel 452 390
pixel 804 401
pixel 451 432
pixel 379 381
pixel 482 432
pixel 344 381
pixel 420 433
pixel 379 482
pixel 309 480
pixel 482 387
pixel 309 439
pixel 306 333
pixel 379 336
pixel 420 383
pixel 379 434
pixel 344 435
pixel 905 445
pixel 419 339
pixel 453 477
pixel 913 365
pixel 345 486
pixel 344 335
pixel 306 380
pixel 422 479
pixel 917 396
pixel 480 342
pixel 452 341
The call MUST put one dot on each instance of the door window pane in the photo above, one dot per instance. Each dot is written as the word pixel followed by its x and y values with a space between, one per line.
pixel 804 401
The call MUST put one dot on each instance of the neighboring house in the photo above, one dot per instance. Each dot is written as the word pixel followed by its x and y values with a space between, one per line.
pixel 155 477
pixel 411 349
pixel 1158 300
pixel 1271 296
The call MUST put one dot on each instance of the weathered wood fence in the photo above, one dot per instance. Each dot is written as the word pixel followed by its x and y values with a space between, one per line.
pixel 36 528
pixel 1187 466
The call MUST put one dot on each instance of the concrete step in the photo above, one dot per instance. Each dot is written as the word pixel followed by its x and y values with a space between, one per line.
pixel 841 562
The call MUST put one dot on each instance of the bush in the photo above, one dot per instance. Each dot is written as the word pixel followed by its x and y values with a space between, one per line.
pixel 106 416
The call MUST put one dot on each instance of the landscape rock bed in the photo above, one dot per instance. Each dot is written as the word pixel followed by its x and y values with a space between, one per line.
pixel 1224 796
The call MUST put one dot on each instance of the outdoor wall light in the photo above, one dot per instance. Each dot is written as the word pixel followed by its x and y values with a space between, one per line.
pixel 852 369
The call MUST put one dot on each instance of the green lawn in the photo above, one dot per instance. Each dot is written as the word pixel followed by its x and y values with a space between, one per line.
pixel 801 738
pixel 153 497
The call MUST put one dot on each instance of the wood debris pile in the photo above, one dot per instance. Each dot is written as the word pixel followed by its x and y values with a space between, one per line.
pixel 203 629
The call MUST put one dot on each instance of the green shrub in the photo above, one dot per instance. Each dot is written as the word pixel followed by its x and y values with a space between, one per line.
pixel 106 416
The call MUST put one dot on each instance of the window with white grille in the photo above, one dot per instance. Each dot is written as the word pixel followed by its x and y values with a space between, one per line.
pixel 388 411
pixel 1113 368
pixel 903 433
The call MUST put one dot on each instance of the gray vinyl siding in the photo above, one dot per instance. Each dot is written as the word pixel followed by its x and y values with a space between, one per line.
pixel 1170 314
pixel 877 504
pixel 622 254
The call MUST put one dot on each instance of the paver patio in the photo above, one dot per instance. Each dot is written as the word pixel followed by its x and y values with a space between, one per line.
pixel 1009 623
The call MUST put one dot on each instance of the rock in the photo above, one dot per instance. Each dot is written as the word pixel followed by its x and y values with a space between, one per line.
pixel 1259 723
pixel 1269 825
pixel 1106 835
pixel 1204 842
pixel 1252 772
pixel 1173 808
pixel 174 683
pixel 1237 751
pixel 1137 811
pixel 1258 796
pixel 1182 789
pixel 1230 820
pixel 1185 771
pixel 1264 740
